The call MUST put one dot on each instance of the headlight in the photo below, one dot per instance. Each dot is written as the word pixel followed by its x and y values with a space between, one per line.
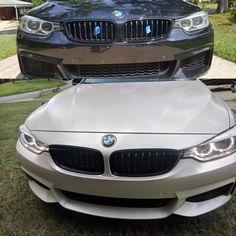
pixel 195 22
pixel 212 149
pixel 30 142
pixel 37 26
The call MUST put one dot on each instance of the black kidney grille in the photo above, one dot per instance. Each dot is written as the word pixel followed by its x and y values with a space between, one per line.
pixel 146 29
pixel 86 31
pixel 143 162
pixel 77 159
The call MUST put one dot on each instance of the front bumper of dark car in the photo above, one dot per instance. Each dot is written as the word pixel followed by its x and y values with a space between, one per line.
pixel 176 55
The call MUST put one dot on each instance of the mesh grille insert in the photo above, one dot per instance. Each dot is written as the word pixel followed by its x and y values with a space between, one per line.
pixel 118 202
pixel 157 69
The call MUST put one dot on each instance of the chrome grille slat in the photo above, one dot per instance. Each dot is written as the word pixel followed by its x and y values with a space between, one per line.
pixel 126 30
pixel 131 31
pixel 161 27
pixel 106 31
pixel 85 31
pixel 80 31
pixel 152 24
pixel 69 30
pixel 74 29
pixel 101 35
pixel 146 24
pixel 90 30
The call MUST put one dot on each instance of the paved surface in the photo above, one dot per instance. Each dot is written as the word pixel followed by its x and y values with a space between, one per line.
pixel 26 96
pixel 8 31
pixel 19 97
pixel 8 24
pixel 228 97
pixel 9 69
pixel 222 69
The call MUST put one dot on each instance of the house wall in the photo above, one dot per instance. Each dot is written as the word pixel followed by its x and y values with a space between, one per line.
pixel 7 13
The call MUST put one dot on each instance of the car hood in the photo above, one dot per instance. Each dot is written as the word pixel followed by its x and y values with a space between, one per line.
pixel 62 10
pixel 174 107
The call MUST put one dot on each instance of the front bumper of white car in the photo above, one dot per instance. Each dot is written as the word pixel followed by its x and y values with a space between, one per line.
pixel 191 188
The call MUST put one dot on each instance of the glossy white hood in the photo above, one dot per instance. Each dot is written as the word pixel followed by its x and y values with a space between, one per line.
pixel 174 107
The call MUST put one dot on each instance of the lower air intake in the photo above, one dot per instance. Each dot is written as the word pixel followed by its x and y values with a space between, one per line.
pixel 118 202
pixel 37 68
pixel 157 69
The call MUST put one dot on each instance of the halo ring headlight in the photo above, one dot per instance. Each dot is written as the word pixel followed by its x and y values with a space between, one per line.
pixel 220 146
pixel 193 23
pixel 28 140
pixel 36 26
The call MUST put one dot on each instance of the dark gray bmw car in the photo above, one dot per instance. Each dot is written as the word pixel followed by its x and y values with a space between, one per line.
pixel 115 38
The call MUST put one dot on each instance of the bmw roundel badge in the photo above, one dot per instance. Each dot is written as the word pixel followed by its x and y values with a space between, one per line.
pixel 118 14
pixel 108 140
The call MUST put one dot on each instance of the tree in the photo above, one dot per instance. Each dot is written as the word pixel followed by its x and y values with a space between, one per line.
pixel 223 6
pixel 37 2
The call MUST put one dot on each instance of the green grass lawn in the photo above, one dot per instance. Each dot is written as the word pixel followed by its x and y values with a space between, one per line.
pixel 23 86
pixel 208 6
pixel 225 36
pixel 225 33
pixel 7 45
pixel 22 213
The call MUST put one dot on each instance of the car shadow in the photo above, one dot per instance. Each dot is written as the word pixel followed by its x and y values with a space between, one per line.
pixel 173 225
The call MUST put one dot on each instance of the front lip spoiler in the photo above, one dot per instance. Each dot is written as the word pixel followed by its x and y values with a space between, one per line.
pixel 179 206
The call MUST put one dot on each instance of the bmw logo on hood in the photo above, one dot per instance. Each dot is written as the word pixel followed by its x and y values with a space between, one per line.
pixel 118 14
pixel 108 140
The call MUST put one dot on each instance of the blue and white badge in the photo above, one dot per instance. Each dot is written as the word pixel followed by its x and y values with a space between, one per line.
pixel 148 29
pixel 97 31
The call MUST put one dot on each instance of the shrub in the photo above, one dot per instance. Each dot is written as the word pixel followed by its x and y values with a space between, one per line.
pixel 233 13
pixel 38 2
pixel 232 3
pixel 193 1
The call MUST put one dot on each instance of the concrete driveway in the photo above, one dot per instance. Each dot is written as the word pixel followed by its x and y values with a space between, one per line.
pixel 8 31
pixel 30 96
pixel 220 69
pixel 228 97
pixel 9 68
pixel 8 25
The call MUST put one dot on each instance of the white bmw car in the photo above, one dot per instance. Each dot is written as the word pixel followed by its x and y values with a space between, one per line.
pixel 140 150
